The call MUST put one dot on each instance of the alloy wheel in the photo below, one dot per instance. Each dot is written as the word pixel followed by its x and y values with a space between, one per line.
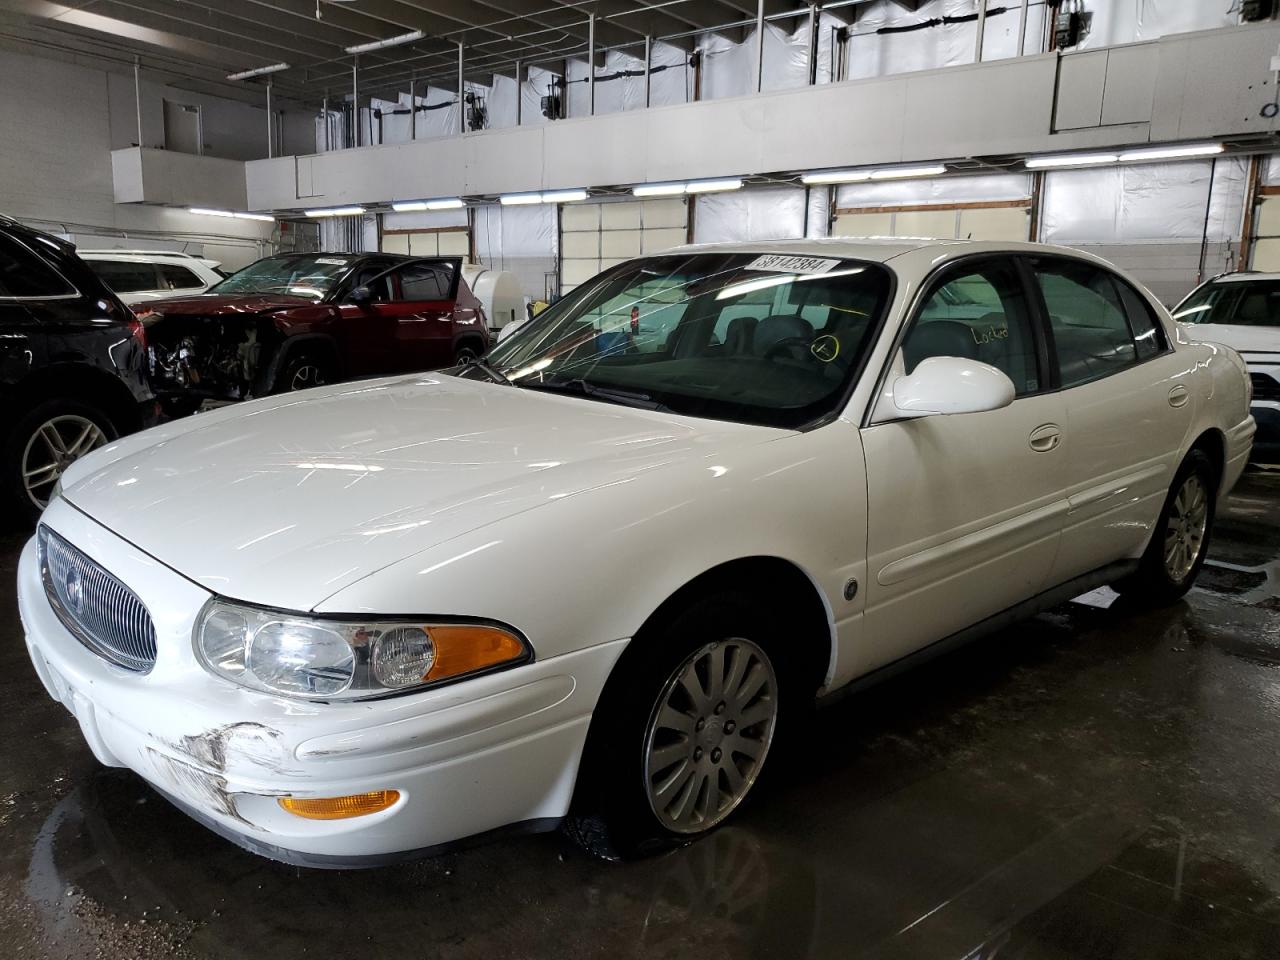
pixel 306 376
pixel 1185 530
pixel 709 733
pixel 53 447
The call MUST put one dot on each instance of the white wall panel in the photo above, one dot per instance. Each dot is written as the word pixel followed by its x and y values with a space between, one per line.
pixel 762 213
pixel 1128 21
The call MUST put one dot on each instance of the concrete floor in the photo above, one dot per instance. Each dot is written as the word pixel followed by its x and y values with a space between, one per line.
pixel 1093 783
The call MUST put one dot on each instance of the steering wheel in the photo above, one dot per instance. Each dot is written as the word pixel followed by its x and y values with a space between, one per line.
pixel 787 344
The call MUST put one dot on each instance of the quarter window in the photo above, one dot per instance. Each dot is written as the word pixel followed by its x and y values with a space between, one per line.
pixel 1087 316
pixel 23 275
pixel 1257 306
pixel 980 313
pixel 175 277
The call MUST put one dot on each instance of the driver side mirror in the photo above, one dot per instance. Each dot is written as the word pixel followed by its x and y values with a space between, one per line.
pixel 949 385
pixel 360 295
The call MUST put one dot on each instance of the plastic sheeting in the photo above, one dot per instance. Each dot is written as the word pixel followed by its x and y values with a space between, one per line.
pixel 1130 21
pixel 729 69
pixel 424 220
pixel 1145 203
pixel 620 82
pixel 520 239
pixel 534 88
pixel 953 189
pixel 762 213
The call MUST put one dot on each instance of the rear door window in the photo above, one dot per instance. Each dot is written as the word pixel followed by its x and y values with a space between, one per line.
pixel 26 276
pixel 1087 317
pixel 176 277
pixel 426 282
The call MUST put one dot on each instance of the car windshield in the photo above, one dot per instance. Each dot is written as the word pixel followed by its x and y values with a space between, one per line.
pixel 1251 303
pixel 764 339
pixel 311 277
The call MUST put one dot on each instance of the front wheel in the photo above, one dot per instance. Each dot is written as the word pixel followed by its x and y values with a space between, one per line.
pixel 303 372
pixel 465 353
pixel 1180 540
pixel 679 742
pixel 43 443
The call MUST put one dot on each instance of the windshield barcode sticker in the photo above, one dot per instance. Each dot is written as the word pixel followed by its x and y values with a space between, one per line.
pixel 778 263
pixel 331 261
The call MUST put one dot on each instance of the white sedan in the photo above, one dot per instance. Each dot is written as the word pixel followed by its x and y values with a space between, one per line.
pixel 589 579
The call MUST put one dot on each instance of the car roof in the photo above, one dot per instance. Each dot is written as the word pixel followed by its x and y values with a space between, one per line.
pixel 874 249
pixel 130 256
pixel 1245 275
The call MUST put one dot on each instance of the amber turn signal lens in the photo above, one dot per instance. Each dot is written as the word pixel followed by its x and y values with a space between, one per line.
pixel 340 808
pixel 463 649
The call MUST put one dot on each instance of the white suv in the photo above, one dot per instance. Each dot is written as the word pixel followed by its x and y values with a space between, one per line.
pixel 137 276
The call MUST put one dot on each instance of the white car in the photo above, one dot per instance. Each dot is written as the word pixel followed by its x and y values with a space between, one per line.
pixel 1242 310
pixel 140 276
pixel 591 576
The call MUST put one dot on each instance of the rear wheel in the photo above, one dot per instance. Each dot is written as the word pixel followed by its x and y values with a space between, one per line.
pixel 680 739
pixel 1180 541
pixel 44 442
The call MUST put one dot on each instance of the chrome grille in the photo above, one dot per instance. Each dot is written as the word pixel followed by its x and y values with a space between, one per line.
pixel 99 610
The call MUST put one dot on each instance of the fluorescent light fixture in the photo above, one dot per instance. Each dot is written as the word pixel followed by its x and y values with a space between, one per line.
pixel 553 196
pixel 231 214
pixel 335 212
pixel 713 186
pixel 389 42
pixel 258 71
pixel 658 189
pixel 696 186
pixel 904 173
pixel 409 206
pixel 836 176
pixel 1070 160
pixel 1172 153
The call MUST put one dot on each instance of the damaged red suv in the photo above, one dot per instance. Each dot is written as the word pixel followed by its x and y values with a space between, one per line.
pixel 300 320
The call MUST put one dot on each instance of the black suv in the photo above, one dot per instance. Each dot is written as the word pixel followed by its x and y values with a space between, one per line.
pixel 72 366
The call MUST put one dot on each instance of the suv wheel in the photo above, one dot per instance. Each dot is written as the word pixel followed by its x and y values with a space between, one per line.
pixel 676 748
pixel 45 441
pixel 303 372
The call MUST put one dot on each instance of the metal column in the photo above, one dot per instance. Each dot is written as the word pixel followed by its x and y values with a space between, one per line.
pixel 760 46
pixel 1022 29
pixel 591 65
pixel 137 94
pixel 271 127
pixel 813 44
pixel 982 29
pixel 648 68
pixel 462 106
pixel 324 112
pixel 519 92
pixel 355 100
pixel 413 107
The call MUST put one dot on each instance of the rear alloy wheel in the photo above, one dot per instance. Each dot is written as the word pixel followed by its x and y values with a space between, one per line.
pixel 709 733
pixel 44 443
pixel 1180 539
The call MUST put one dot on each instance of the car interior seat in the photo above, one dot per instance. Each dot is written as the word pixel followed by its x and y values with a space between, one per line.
pixel 774 329
pixel 939 338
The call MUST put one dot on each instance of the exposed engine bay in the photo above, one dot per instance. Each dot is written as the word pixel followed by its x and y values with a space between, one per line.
pixel 207 357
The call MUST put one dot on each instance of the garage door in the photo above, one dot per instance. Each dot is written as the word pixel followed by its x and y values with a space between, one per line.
pixel 998 220
pixel 594 236
pixel 445 242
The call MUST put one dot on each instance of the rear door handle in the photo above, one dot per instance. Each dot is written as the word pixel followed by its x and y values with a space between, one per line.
pixel 1045 437
pixel 1178 396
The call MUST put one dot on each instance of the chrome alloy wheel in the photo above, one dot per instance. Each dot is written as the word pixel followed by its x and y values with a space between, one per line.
pixel 52 448
pixel 709 733
pixel 306 376
pixel 1184 533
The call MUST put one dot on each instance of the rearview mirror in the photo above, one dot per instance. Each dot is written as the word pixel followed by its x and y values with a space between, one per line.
pixel 947 385
pixel 361 294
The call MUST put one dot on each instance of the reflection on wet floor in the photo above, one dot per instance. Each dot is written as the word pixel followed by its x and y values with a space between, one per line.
pixel 1098 782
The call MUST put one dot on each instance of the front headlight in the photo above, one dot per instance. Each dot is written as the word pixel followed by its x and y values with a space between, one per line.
pixel 322 659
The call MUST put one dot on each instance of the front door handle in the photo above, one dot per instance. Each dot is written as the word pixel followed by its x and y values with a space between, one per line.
pixel 1178 396
pixel 1045 437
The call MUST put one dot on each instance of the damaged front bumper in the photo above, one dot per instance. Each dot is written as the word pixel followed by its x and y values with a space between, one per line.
pixel 487 755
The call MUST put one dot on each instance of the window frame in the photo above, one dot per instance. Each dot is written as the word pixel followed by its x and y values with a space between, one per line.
pixel 1026 260
pixel 398 270
pixel 74 293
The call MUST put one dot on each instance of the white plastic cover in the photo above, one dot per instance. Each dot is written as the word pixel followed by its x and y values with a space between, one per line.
pixel 501 102
pixel 953 189
pixel 761 213
pixel 620 81
pixel 424 220
pixel 520 239
pixel 1129 21
pixel 1271 169
pixel 534 88
pixel 1144 202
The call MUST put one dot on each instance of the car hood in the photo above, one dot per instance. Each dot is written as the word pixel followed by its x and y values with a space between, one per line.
pixel 1239 337
pixel 219 305
pixel 287 501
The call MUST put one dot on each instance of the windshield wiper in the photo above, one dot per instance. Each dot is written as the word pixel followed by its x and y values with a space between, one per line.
pixel 489 370
pixel 581 387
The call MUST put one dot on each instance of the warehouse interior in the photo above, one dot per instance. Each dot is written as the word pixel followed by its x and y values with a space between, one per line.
pixel 1098 781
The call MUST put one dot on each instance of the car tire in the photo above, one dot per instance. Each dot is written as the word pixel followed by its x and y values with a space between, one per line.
pixel 666 763
pixel 43 442
pixel 466 352
pixel 1180 540
pixel 303 371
